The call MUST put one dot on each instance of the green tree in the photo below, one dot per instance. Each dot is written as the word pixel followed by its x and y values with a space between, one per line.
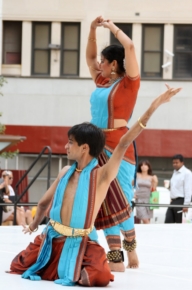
pixel 6 154
pixel 2 127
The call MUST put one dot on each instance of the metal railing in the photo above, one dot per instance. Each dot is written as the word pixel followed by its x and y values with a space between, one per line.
pixel 18 198
pixel 161 205
pixel 135 204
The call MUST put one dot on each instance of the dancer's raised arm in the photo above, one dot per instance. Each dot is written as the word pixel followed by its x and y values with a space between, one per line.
pixel 131 65
pixel 110 169
pixel 91 51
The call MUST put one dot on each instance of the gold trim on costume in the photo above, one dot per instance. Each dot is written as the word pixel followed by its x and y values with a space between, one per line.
pixel 108 130
pixel 68 231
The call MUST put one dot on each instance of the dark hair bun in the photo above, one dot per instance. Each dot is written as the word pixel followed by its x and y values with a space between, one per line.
pixel 115 52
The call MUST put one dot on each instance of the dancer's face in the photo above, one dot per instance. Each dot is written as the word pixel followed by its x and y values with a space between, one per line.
pixel 105 67
pixel 74 151
pixel 71 148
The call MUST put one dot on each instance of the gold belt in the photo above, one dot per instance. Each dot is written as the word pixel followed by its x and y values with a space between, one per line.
pixel 70 232
pixel 108 130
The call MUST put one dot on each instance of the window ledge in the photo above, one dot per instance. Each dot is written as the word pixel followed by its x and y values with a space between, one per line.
pixel 167 80
pixel 11 69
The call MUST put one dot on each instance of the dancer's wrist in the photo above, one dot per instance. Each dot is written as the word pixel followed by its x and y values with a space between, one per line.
pixel 32 228
pixel 93 26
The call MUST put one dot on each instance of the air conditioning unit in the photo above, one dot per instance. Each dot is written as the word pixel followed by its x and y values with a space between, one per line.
pixel 54 46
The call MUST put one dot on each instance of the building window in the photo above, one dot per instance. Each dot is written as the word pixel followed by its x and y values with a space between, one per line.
pixel 126 28
pixel 40 48
pixel 12 31
pixel 70 49
pixel 152 51
pixel 183 51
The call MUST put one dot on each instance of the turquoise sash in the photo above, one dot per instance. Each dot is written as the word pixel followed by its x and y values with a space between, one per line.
pixel 71 247
pixel 99 105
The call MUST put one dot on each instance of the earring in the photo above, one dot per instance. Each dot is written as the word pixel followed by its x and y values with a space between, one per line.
pixel 113 71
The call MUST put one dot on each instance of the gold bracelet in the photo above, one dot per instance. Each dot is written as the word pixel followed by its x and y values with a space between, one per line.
pixel 141 125
pixel 117 32
pixel 32 231
pixel 92 39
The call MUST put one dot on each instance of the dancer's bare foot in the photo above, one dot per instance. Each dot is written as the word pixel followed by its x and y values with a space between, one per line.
pixel 117 267
pixel 133 261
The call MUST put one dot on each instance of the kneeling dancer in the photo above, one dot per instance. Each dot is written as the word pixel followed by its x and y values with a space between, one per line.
pixel 67 251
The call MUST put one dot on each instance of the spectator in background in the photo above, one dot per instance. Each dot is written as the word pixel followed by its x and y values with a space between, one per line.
pixel 10 181
pixel 3 191
pixel 146 183
pixel 23 216
pixel 180 190
pixel 4 182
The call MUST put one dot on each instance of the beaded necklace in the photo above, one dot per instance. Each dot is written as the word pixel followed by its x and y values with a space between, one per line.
pixel 111 81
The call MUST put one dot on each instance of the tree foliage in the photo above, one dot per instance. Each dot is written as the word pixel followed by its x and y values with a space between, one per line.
pixel 6 154
pixel 2 127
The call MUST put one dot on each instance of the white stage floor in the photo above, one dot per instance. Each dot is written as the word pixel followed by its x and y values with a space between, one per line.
pixel 165 253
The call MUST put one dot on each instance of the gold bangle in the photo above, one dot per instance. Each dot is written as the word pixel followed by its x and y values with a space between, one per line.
pixel 92 39
pixel 141 125
pixel 32 231
pixel 117 32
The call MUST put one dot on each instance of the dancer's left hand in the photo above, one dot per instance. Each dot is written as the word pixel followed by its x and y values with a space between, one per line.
pixel 167 95
pixel 106 23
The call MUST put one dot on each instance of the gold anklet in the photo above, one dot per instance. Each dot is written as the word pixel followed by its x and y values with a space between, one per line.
pixel 129 246
pixel 115 256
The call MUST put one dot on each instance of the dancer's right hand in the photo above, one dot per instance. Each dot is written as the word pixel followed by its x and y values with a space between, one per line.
pixel 26 229
pixel 97 22
pixel 30 228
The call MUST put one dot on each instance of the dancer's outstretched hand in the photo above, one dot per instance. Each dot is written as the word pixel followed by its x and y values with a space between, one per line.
pixel 29 229
pixel 26 230
pixel 167 95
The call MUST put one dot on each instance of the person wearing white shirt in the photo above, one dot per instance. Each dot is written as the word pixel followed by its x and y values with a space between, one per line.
pixel 11 190
pixel 10 181
pixel 180 190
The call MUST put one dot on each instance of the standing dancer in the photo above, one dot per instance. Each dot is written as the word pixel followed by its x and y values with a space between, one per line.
pixel 112 103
